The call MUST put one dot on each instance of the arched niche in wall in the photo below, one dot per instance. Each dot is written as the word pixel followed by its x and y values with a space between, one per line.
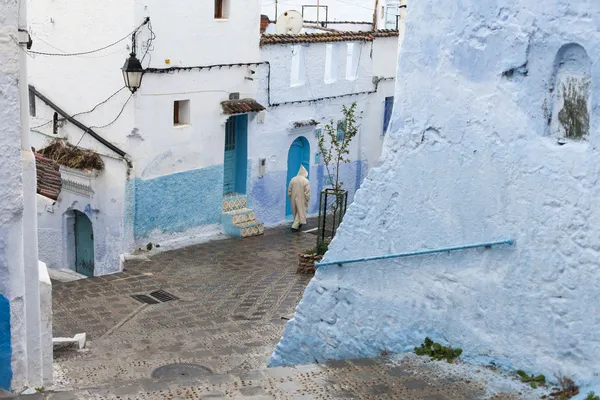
pixel 571 99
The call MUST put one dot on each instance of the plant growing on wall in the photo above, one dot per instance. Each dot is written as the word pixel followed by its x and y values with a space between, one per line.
pixel 334 143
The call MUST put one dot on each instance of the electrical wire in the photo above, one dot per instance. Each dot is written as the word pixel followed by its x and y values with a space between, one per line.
pixel 110 123
pixel 147 20
pixel 39 126
pixel 99 104
pixel 149 46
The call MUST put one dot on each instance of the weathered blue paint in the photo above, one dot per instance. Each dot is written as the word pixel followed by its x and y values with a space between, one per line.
pixel 84 245
pixel 5 344
pixel 177 202
pixel 298 154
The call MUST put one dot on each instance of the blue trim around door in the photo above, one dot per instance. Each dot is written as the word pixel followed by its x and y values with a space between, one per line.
pixel 298 154
pixel 236 155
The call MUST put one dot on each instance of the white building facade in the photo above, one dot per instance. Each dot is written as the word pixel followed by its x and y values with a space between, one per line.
pixel 311 77
pixel 200 148
pixel 25 296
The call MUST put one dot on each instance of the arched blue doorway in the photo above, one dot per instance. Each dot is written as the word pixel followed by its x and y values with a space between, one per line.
pixel 299 154
pixel 84 245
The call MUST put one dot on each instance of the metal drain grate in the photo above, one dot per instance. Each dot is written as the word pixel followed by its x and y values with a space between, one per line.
pixel 144 299
pixel 163 296
pixel 179 370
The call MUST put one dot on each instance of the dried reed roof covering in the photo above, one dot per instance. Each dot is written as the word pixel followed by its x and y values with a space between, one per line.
pixel 71 156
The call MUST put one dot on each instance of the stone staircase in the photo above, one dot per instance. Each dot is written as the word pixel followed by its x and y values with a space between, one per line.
pixel 237 219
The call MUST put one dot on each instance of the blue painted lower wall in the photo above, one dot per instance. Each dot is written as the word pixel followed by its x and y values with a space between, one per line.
pixel 5 344
pixel 176 202
pixel 269 193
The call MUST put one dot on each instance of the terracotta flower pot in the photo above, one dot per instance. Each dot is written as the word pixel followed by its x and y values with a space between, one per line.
pixel 306 263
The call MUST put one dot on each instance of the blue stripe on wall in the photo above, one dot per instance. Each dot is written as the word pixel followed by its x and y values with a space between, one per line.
pixel 177 202
pixel 5 346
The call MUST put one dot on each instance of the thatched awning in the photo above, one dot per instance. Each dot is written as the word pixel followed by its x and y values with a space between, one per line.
pixel 71 156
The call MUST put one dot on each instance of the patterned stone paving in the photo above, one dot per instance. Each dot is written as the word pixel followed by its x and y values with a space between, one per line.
pixel 234 299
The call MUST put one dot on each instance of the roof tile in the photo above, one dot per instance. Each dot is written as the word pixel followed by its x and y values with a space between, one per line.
pixel 345 36
pixel 242 106
pixel 49 182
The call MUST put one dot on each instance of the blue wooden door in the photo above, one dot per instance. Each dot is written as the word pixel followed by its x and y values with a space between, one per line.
pixel 230 156
pixel 299 154
pixel 84 245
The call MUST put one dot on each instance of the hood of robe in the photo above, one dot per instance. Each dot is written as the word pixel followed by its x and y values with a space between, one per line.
pixel 303 172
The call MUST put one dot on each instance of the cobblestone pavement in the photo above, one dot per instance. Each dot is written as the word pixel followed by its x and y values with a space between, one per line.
pixel 233 300
pixel 405 378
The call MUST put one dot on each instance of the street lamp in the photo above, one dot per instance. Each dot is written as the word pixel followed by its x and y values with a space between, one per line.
pixel 133 70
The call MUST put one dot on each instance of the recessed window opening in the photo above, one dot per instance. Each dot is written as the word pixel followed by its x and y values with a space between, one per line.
pixel 332 63
pixel 352 59
pixel 32 110
pixel 387 113
pixel 181 112
pixel 221 9
pixel 298 77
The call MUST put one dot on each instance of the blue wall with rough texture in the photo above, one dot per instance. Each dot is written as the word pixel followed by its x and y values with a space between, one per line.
pixel 177 202
pixel 475 153
pixel 269 192
pixel 5 346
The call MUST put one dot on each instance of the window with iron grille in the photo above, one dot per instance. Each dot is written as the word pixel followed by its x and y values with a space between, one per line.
pixel 230 134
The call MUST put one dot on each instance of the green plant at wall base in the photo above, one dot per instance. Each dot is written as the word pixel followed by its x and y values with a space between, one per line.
pixel 533 381
pixel 437 351
pixel 574 116
pixel 592 396
pixel 334 143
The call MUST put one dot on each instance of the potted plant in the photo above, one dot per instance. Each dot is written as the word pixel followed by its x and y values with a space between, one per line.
pixel 308 258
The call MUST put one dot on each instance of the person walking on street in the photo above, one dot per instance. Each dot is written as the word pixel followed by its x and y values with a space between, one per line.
pixel 299 194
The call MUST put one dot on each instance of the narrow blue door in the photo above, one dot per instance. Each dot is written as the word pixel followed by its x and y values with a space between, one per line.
pixel 230 156
pixel 84 245
pixel 299 154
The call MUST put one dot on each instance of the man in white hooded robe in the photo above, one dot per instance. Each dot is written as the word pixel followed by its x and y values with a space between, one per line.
pixel 299 194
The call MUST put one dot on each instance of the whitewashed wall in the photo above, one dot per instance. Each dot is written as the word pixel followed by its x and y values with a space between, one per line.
pixel 272 138
pixel 469 159
pixel 180 168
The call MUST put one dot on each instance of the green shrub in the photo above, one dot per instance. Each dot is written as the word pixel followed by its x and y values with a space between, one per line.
pixel 437 351
pixel 592 396
pixel 533 381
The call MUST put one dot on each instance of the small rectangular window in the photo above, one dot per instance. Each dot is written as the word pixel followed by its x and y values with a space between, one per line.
pixel 32 110
pixel 181 112
pixel 387 112
pixel 352 59
pixel 341 130
pixel 221 9
pixel 332 62
pixel 298 77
